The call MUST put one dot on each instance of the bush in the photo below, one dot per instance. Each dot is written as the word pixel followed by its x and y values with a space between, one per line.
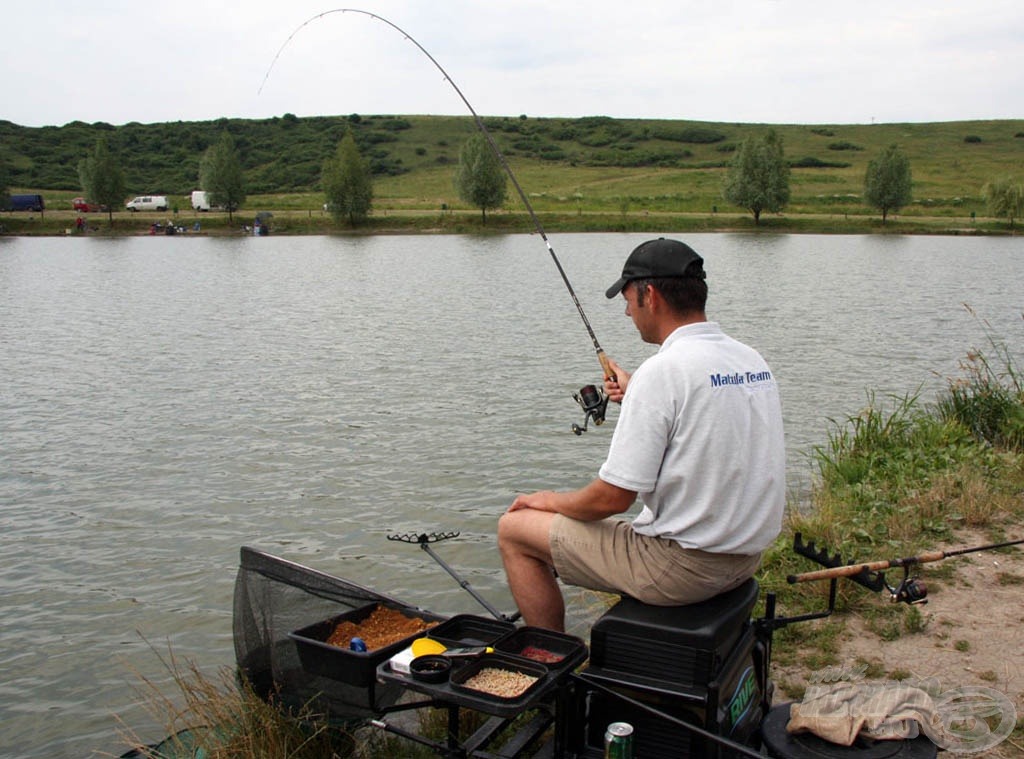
pixel 844 146
pixel 972 138
pixel 552 153
pixel 626 155
pixel 396 125
pixel 810 162
pixel 692 135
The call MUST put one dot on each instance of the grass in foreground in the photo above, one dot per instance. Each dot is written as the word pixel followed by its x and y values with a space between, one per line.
pixel 901 480
pixel 224 718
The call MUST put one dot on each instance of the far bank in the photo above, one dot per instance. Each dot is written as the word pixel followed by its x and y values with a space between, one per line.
pixel 448 221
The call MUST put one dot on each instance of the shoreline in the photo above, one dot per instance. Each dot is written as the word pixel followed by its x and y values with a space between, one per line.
pixel 303 222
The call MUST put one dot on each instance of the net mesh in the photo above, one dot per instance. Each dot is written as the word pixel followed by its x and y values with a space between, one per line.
pixel 273 597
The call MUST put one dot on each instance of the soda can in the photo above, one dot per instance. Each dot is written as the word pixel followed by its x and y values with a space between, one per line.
pixel 618 741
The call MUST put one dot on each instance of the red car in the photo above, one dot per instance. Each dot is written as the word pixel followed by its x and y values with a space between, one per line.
pixel 81 204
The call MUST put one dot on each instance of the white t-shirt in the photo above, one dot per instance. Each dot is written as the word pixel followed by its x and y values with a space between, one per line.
pixel 699 437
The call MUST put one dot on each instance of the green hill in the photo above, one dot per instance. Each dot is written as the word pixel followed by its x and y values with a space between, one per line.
pixel 565 164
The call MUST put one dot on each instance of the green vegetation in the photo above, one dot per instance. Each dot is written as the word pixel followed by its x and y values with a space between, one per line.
pixel 348 185
pixel 1005 198
pixel 580 173
pixel 224 717
pixel 5 181
pixel 758 178
pixel 900 481
pixel 480 179
pixel 888 183
pixel 220 174
pixel 102 179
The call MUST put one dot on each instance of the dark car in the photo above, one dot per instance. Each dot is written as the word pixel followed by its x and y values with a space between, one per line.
pixel 25 203
pixel 81 204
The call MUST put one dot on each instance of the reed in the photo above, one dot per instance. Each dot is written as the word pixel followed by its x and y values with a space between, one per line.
pixel 989 398
pixel 223 718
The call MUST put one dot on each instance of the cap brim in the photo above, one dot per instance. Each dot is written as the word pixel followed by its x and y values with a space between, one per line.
pixel 615 289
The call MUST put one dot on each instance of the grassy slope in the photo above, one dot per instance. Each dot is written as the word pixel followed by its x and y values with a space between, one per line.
pixel 945 167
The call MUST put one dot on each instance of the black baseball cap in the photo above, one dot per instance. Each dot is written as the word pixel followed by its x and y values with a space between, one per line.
pixel 659 258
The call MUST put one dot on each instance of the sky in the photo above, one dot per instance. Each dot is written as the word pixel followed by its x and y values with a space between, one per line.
pixel 744 61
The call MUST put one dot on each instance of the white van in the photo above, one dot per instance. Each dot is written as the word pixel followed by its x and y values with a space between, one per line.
pixel 200 200
pixel 147 203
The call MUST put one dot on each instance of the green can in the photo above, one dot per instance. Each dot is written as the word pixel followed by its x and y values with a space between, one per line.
pixel 618 741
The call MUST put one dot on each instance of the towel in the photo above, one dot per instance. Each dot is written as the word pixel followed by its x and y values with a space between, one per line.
pixel 840 712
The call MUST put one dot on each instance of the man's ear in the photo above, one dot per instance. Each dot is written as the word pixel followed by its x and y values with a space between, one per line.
pixel 652 297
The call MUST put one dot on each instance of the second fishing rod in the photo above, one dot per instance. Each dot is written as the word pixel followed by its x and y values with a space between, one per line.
pixel 591 398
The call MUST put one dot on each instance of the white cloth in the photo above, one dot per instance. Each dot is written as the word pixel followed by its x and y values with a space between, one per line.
pixel 842 711
pixel 700 439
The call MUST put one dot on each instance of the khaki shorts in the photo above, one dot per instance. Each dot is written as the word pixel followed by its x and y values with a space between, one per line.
pixel 608 555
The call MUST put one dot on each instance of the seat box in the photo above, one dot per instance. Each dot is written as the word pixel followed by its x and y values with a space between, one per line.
pixel 729 705
pixel 680 644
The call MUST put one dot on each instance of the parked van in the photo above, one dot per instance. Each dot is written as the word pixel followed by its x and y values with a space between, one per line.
pixel 147 203
pixel 200 200
pixel 26 203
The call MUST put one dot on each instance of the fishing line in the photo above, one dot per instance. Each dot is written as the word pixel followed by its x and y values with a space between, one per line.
pixel 605 365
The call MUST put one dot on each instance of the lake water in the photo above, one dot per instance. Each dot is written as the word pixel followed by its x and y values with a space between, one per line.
pixel 166 400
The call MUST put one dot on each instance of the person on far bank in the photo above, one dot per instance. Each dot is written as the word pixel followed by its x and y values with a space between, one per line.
pixel 699 439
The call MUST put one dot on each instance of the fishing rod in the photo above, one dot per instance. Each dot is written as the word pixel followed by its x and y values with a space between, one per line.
pixel 909 591
pixel 592 400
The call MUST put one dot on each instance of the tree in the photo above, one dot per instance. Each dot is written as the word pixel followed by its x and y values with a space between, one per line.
pixel 758 178
pixel 5 183
pixel 220 174
pixel 887 181
pixel 1005 198
pixel 480 178
pixel 347 183
pixel 102 178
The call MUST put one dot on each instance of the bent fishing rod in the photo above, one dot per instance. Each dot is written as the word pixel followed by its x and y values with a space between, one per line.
pixel 590 398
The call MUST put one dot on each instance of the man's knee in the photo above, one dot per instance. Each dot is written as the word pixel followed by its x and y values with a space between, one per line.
pixel 510 528
pixel 524 530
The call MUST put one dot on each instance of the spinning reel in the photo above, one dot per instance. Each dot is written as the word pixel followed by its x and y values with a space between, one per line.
pixel 594 403
pixel 910 591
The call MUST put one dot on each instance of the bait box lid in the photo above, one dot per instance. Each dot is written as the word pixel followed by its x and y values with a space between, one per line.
pixel 318 657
